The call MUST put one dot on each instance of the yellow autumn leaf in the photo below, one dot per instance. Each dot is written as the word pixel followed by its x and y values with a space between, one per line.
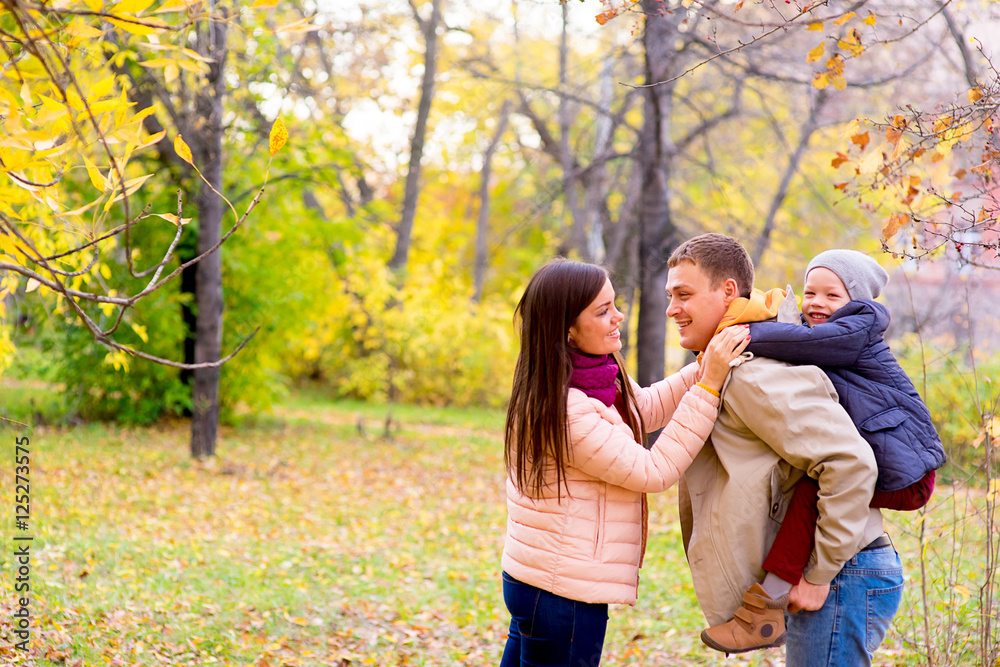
pixel 963 591
pixel 122 108
pixel 95 5
pixel 183 150
pixel 870 19
pixel 170 217
pixel 178 6
pixel 852 43
pixel 870 163
pixel 194 55
pixel 816 53
pixel 140 115
pixel 301 25
pixel 196 68
pixel 101 88
pixel 131 6
pixel 50 111
pixel 821 80
pixel 964 132
pixel 994 488
pixel 993 427
pixel 841 20
pixel 815 25
pixel 140 331
pixel 83 209
pixel 95 174
pixel 145 27
pixel 170 73
pixel 975 95
pixel 116 358
pixel 902 145
pixel 98 108
pixel 7 244
pixel 82 31
pixel 158 62
pixel 838 81
pixel 279 135
pixel 153 139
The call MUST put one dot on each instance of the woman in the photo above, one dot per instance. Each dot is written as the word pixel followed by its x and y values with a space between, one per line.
pixel 577 474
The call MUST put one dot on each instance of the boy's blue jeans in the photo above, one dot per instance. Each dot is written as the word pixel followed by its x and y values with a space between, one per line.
pixel 550 630
pixel 864 598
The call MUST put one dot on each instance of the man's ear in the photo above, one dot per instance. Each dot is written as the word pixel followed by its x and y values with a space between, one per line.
pixel 730 291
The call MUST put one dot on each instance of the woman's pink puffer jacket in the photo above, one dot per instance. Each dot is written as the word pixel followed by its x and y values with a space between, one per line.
pixel 588 546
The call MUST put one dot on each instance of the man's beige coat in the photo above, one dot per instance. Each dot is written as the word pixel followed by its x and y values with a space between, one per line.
pixel 777 422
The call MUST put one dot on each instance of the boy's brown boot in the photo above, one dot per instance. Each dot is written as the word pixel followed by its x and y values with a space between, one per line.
pixel 758 623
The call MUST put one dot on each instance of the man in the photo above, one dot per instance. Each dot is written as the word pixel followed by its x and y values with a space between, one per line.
pixel 777 422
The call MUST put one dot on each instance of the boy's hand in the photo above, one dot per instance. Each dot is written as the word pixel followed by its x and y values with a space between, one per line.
pixel 807 596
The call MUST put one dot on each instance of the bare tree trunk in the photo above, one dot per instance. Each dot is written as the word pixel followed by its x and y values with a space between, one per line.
pixel 483 219
pixel 810 126
pixel 596 194
pixel 618 240
pixel 577 233
pixel 622 258
pixel 971 70
pixel 208 290
pixel 656 228
pixel 412 192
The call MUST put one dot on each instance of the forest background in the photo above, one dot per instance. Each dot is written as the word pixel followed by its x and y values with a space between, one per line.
pixel 303 217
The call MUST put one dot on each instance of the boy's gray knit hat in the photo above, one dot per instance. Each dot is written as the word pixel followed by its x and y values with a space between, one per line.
pixel 862 275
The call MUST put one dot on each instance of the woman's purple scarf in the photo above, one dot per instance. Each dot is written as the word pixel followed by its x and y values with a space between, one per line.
pixel 595 376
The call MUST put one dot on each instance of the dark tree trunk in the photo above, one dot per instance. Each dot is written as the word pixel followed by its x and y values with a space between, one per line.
pixel 189 280
pixel 208 291
pixel 656 228
pixel 405 231
pixel 483 219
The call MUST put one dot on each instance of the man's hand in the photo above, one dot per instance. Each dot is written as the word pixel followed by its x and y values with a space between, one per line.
pixel 807 596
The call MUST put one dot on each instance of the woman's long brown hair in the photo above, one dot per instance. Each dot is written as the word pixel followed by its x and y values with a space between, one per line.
pixel 536 434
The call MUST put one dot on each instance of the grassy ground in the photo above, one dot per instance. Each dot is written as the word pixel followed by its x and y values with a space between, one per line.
pixel 313 539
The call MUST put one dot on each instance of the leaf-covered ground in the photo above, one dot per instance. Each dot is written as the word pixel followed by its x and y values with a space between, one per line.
pixel 313 539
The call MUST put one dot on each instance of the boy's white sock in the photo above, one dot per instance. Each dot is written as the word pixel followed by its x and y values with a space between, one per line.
pixel 775 586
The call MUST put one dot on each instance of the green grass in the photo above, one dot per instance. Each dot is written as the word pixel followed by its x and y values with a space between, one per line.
pixel 308 543
pixel 30 402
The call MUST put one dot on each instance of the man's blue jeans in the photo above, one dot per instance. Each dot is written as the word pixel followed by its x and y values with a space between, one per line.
pixel 863 600
pixel 550 630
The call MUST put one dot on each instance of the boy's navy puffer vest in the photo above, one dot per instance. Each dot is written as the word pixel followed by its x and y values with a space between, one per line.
pixel 873 388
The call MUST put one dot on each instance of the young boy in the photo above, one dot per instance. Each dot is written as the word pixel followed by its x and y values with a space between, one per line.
pixel 844 336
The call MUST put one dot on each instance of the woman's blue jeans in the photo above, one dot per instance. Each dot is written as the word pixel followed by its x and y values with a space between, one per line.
pixel 550 630
pixel 864 598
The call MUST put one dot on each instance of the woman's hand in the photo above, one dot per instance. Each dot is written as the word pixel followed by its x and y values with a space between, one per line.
pixel 723 348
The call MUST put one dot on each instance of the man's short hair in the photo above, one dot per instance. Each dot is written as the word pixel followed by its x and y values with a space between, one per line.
pixel 721 257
